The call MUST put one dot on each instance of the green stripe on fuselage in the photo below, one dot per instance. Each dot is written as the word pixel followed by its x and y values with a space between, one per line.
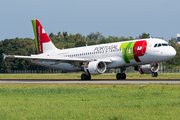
pixel 124 47
pixel 127 51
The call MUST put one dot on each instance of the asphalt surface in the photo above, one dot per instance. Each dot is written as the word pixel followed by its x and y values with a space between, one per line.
pixel 93 81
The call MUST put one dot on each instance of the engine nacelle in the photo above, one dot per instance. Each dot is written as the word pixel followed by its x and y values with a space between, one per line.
pixel 148 68
pixel 95 67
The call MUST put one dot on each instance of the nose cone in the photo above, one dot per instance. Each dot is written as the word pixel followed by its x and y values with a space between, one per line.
pixel 171 52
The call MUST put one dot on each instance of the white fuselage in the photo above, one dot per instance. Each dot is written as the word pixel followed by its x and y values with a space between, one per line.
pixel 122 54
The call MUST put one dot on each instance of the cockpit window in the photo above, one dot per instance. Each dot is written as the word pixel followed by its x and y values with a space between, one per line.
pixel 159 45
pixel 164 44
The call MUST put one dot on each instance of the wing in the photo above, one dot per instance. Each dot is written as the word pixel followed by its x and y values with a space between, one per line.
pixel 55 59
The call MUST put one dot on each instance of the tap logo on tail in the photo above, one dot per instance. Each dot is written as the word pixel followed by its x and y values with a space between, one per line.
pixel 40 35
pixel 133 50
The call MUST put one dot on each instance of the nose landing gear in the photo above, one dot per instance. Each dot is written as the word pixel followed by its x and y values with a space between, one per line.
pixel 154 74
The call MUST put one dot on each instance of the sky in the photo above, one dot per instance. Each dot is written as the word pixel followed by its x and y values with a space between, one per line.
pixel 159 18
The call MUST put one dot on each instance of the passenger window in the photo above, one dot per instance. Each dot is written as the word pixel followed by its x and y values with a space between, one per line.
pixel 159 45
pixel 155 45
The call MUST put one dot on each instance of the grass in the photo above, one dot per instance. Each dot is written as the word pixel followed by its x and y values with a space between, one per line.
pixel 89 102
pixel 78 76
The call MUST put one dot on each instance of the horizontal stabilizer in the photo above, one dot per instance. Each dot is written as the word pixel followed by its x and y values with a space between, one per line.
pixel 4 56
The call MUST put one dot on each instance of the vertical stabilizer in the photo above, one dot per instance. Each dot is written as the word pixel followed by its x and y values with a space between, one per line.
pixel 43 42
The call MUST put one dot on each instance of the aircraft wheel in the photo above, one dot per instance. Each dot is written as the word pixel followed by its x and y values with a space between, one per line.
pixel 154 74
pixel 118 76
pixel 88 77
pixel 123 76
pixel 83 77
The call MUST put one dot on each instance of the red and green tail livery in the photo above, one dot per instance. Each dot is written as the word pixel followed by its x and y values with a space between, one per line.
pixel 133 50
pixel 40 35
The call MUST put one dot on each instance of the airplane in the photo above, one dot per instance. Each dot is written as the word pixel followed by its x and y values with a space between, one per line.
pixel 143 54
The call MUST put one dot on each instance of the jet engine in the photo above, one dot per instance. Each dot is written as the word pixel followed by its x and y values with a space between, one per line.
pixel 148 68
pixel 95 67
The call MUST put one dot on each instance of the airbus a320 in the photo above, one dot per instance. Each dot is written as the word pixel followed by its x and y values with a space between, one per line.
pixel 144 55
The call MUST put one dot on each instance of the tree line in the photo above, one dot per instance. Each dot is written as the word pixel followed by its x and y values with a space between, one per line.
pixel 27 46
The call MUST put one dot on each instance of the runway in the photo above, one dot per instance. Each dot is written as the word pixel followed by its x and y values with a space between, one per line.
pixel 99 81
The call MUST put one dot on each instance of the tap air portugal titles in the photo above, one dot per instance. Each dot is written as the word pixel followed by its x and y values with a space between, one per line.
pixel 144 55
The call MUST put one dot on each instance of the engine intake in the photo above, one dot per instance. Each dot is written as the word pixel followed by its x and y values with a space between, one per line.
pixel 95 67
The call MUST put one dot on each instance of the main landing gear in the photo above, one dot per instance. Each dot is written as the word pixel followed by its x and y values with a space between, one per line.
pixel 86 76
pixel 121 76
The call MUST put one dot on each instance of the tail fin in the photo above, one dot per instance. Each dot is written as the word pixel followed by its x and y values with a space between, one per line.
pixel 43 42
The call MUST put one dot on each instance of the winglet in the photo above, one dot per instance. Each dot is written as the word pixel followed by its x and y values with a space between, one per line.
pixel 4 56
